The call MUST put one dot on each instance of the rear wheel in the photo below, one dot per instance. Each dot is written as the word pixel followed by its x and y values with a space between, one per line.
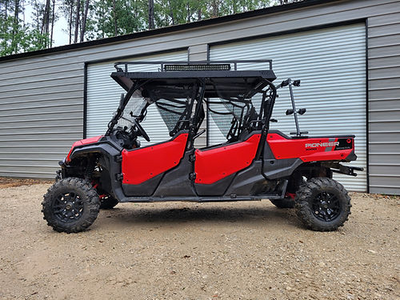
pixel 322 204
pixel 70 205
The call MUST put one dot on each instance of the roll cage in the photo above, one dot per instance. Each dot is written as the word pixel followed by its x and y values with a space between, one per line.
pixel 181 90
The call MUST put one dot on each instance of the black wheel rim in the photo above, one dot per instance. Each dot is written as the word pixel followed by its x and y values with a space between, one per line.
pixel 326 206
pixel 68 207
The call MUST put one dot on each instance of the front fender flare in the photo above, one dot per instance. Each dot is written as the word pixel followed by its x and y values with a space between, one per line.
pixel 111 155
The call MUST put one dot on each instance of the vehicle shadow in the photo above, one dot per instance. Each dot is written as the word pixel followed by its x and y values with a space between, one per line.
pixel 141 215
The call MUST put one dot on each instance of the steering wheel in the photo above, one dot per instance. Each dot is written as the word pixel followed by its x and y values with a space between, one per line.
pixel 141 130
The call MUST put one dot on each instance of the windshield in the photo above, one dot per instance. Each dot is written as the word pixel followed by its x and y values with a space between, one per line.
pixel 135 107
pixel 166 116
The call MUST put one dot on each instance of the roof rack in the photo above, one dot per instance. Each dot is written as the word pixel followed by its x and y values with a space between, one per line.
pixel 206 65
pixel 229 74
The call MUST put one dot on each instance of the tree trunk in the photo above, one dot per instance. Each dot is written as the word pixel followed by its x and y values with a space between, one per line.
pixel 70 22
pixel 171 13
pixel 84 18
pixel 5 10
pixel 46 20
pixel 115 19
pixel 53 15
pixel 15 27
pixel 189 15
pixel 151 14
pixel 77 19
pixel 215 9
pixel 102 22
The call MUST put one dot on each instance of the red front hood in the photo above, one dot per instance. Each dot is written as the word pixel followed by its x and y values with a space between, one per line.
pixel 91 140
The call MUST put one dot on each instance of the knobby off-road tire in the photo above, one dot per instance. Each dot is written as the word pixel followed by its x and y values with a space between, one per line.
pixel 70 205
pixel 322 204
pixel 284 203
pixel 108 202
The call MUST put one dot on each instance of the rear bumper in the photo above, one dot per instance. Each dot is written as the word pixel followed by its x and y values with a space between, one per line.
pixel 351 157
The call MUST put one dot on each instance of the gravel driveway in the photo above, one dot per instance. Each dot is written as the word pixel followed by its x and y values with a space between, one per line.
pixel 244 250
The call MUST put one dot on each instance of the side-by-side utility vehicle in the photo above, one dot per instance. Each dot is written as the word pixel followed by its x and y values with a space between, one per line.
pixel 254 163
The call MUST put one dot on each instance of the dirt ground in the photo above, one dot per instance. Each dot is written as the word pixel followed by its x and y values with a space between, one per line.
pixel 248 250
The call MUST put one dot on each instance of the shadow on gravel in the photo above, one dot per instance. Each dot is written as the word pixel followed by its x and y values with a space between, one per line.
pixel 124 215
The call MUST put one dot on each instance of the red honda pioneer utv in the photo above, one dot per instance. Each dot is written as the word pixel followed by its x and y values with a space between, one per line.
pixel 254 163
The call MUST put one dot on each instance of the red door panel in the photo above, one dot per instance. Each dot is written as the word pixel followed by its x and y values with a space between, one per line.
pixel 214 164
pixel 141 164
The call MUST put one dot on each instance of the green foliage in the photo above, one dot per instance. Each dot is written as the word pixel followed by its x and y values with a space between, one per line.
pixel 96 19
pixel 108 18
pixel 15 35
pixel 117 17
pixel 16 38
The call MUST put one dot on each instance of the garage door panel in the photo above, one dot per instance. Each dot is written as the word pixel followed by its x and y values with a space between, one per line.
pixel 331 66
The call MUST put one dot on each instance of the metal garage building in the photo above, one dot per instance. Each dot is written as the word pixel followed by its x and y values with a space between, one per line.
pixel 346 52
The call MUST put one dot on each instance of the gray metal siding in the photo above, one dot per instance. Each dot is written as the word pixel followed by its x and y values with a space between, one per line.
pixel 41 115
pixel 384 102
pixel 383 57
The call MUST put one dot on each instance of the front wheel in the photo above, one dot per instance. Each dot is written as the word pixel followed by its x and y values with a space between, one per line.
pixel 322 204
pixel 70 205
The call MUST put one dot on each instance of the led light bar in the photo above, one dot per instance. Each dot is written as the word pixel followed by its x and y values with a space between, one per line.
pixel 198 67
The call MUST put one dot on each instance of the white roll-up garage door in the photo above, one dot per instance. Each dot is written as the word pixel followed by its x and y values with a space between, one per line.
pixel 331 64
pixel 103 95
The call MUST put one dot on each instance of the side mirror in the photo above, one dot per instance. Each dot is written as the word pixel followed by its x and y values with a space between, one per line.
pixel 289 112
pixel 302 111
pixel 296 82
pixel 285 82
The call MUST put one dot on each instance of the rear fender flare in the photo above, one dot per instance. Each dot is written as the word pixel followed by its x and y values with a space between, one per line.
pixel 275 169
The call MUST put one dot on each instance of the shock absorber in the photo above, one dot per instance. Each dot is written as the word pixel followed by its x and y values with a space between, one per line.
pixel 91 163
